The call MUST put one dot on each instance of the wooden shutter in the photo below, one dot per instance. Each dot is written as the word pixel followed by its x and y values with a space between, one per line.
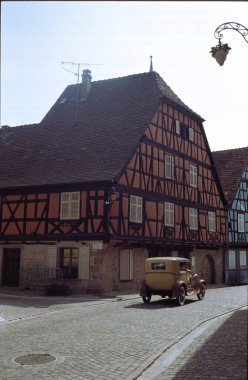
pixel 52 261
pixel 169 214
pixel 169 166
pixel 136 214
pixel 126 265
pixel 84 263
pixel 74 205
pixel 1 263
pixel 65 206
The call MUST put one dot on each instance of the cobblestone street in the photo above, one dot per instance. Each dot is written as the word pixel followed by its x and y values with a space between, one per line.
pixel 117 337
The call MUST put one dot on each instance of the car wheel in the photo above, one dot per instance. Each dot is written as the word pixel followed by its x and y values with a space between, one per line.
pixel 146 298
pixel 201 293
pixel 181 296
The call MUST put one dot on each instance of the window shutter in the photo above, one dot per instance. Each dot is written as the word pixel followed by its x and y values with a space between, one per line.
pixel 169 166
pixel 193 175
pixel 193 219
pixel 126 265
pixel 84 263
pixel 1 260
pixel 169 214
pixel 241 223
pixel 64 206
pixel 75 201
pixel 191 134
pixel 231 260
pixel 136 214
pixel 177 127
pixel 211 221
pixel 52 261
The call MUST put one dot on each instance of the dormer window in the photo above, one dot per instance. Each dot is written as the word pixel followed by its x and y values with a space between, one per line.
pixel 63 100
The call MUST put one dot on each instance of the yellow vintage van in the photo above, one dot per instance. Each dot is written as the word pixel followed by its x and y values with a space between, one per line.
pixel 171 277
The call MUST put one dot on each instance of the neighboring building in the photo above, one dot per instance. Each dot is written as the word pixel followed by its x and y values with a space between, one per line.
pixel 117 171
pixel 232 167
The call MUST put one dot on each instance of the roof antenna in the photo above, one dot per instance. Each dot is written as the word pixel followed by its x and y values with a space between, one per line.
pixel 77 74
pixel 151 65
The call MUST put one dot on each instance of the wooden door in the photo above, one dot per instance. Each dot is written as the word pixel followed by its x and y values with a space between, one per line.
pixel 208 270
pixel 11 266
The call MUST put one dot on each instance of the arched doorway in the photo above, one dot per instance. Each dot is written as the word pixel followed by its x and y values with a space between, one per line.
pixel 208 269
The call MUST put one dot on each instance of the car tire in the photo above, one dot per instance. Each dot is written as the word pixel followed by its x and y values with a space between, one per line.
pixel 201 293
pixel 181 296
pixel 146 298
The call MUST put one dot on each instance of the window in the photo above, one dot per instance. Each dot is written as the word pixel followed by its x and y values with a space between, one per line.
pixel 193 219
pixel 169 214
pixel 135 209
pixel 231 260
pixel 211 221
pixel 169 167
pixel 191 134
pixel 193 175
pixel 158 266
pixel 241 223
pixel 242 258
pixel 177 127
pixel 126 265
pixel 193 262
pixel 69 262
pixel 69 206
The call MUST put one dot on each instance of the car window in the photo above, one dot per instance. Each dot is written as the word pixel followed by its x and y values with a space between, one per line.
pixel 182 266
pixel 158 266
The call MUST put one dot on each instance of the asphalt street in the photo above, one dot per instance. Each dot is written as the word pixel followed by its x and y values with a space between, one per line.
pixel 119 337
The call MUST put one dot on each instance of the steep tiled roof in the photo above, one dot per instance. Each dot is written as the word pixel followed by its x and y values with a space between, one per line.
pixel 110 124
pixel 230 165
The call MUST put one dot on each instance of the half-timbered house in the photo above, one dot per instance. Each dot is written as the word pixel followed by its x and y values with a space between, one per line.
pixel 118 170
pixel 232 167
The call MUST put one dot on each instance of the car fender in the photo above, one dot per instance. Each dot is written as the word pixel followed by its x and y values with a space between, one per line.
pixel 144 290
pixel 175 290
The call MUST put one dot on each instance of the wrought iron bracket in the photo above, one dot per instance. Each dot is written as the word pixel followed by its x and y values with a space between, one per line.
pixel 241 29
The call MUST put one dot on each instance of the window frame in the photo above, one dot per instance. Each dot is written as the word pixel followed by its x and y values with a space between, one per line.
pixel 169 166
pixel 138 213
pixel 193 175
pixel 241 223
pixel 193 219
pixel 191 134
pixel 169 210
pixel 70 204
pixel 178 127
pixel 70 274
pixel 211 221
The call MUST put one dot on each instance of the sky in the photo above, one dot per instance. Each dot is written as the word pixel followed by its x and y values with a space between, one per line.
pixel 117 38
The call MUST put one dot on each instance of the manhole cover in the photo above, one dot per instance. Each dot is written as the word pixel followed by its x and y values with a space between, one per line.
pixel 35 359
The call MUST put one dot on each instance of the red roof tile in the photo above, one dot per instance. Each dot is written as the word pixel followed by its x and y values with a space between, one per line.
pixel 230 165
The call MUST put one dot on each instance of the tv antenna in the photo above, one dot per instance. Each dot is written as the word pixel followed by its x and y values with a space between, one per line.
pixel 78 64
pixel 78 67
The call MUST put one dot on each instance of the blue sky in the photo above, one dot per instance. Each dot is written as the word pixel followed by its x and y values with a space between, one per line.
pixel 121 36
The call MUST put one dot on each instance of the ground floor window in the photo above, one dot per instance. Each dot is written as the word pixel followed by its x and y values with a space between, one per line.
pixel 69 262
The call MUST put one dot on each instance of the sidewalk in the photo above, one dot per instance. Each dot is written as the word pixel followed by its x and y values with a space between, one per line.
pixel 219 353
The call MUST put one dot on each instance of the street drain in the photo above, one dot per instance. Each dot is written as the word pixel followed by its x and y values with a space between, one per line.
pixel 35 359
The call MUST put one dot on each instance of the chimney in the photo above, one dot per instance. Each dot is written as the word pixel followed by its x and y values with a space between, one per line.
pixel 86 84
